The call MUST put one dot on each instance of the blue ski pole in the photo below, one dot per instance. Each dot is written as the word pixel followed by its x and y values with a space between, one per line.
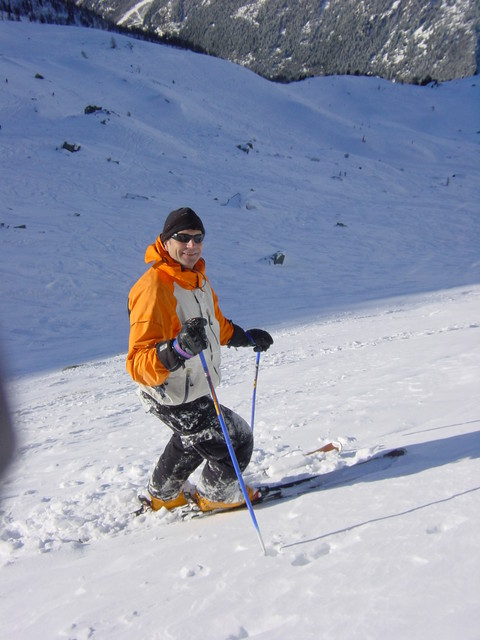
pixel 255 380
pixel 231 451
pixel 254 397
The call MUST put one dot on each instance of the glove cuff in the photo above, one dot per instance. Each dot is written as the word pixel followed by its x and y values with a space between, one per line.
pixel 168 357
pixel 180 351
pixel 239 338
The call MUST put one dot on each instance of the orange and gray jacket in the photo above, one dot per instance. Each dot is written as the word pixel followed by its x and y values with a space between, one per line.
pixel 159 303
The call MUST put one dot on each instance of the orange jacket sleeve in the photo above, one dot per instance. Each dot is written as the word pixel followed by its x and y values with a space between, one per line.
pixel 226 327
pixel 152 319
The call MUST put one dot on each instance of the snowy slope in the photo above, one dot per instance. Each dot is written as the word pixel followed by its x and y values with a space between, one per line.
pixel 372 191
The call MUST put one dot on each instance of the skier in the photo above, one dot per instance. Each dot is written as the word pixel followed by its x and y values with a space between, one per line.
pixel 174 315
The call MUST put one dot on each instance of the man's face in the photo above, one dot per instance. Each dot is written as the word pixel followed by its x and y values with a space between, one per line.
pixel 186 253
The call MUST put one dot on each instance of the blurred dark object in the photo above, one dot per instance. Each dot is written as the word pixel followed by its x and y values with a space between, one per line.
pixel 7 440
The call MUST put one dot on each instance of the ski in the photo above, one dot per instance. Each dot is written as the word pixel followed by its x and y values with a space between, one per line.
pixel 326 448
pixel 146 503
pixel 299 486
pixel 344 475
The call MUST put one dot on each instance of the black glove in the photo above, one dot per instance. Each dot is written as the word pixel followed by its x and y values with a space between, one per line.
pixel 167 355
pixel 192 338
pixel 262 339
pixel 239 338
pixel 257 338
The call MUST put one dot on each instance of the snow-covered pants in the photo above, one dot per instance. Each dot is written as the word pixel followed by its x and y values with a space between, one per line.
pixel 197 437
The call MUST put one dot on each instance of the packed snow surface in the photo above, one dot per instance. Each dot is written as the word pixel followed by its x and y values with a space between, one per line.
pixel 372 191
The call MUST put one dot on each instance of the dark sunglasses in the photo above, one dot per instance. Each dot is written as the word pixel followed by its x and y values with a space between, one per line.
pixel 186 237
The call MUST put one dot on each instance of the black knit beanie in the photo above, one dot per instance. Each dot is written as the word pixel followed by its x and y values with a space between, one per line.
pixel 179 220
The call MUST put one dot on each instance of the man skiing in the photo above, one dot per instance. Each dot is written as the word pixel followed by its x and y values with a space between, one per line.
pixel 174 315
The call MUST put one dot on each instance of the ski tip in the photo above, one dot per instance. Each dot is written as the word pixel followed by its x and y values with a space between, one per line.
pixel 337 446
pixel 395 453
pixel 334 445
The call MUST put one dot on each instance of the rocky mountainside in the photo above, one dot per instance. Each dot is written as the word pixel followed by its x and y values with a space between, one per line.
pixel 406 40
pixel 52 12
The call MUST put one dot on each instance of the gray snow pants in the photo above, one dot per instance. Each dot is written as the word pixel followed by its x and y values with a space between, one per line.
pixel 198 437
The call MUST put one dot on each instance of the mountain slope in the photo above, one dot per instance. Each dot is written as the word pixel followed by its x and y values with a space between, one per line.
pixel 409 40
pixel 371 181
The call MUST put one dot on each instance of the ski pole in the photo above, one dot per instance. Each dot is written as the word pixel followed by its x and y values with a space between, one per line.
pixel 254 397
pixel 231 451
pixel 255 379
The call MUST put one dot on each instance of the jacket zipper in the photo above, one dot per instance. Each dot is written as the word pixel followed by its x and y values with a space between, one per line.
pixel 212 332
pixel 210 324
pixel 187 385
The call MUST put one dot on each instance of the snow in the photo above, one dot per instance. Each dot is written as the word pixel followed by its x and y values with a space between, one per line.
pixel 135 15
pixel 371 189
